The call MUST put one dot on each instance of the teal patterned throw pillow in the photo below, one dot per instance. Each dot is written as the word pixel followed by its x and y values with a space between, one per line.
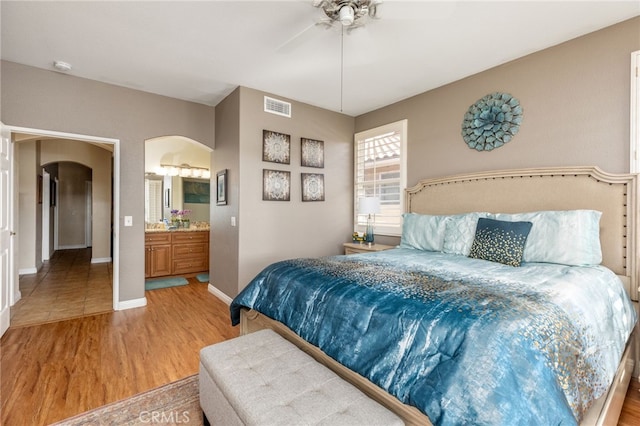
pixel 500 241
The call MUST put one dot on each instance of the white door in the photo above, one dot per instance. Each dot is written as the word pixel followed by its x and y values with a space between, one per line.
pixel 6 235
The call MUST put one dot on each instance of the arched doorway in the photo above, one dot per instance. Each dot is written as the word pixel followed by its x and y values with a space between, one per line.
pixel 172 160
pixel 177 184
pixel 74 209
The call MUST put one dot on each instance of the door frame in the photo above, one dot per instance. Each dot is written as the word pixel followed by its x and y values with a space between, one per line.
pixel 46 215
pixel 635 113
pixel 7 234
pixel 88 195
pixel 15 291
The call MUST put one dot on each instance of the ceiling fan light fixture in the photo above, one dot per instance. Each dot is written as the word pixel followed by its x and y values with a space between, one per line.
pixel 346 15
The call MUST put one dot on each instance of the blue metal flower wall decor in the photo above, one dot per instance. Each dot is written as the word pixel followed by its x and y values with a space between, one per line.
pixel 492 121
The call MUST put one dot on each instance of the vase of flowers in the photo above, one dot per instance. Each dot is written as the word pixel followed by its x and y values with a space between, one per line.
pixel 180 218
pixel 174 218
pixel 184 218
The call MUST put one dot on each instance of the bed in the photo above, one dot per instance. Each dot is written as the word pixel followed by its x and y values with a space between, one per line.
pixel 417 328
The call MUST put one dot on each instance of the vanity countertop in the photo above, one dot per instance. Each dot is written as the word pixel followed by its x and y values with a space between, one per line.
pixel 192 229
pixel 160 227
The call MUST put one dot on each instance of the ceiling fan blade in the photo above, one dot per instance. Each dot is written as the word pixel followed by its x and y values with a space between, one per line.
pixel 311 31
pixel 432 10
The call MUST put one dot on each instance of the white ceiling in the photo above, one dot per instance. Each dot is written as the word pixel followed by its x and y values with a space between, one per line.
pixel 200 51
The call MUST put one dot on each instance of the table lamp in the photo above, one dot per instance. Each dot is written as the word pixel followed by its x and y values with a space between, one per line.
pixel 369 206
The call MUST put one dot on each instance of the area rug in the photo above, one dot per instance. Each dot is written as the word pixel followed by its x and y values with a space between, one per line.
pixel 175 403
pixel 165 282
pixel 203 278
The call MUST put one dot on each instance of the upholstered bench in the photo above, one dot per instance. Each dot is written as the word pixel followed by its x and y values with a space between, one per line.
pixel 263 379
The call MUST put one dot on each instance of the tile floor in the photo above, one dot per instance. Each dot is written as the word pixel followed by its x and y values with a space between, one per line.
pixel 67 286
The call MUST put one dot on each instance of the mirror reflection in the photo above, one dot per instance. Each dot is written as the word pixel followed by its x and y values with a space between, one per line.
pixel 177 183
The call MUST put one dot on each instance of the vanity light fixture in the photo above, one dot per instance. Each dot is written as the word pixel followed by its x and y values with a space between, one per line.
pixel 183 170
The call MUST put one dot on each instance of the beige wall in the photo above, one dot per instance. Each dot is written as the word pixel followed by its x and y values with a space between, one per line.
pixel 268 231
pixel 41 99
pixel 224 239
pixel 575 98
pixel 276 230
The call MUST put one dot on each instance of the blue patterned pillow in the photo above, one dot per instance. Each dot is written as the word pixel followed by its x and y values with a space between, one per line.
pixel 500 241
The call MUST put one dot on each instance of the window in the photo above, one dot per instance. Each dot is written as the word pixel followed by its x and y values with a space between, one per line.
pixel 380 171
pixel 153 200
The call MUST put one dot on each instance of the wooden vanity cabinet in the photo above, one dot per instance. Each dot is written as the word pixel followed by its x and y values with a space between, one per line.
pixel 190 252
pixel 157 259
pixel 176 253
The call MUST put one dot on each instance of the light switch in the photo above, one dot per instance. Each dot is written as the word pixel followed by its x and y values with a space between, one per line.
pixel 128 221
pixel 233 221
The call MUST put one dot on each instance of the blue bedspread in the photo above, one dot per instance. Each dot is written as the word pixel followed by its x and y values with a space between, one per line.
pixel 464 340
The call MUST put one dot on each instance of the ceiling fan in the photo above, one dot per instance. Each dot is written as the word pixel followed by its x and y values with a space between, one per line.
pixel 347 12
pixel 350 14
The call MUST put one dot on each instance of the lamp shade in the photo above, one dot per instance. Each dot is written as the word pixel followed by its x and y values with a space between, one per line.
pixel 369 205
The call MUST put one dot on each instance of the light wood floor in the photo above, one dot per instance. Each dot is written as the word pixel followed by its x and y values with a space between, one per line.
pixel 52 371
pixel 55 370
pixel 630 415
pixel 67 286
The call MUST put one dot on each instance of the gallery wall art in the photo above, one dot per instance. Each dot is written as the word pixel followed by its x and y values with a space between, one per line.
pixel 312 187
pixel 276 147
pixel 312 153
pixel 221 188
pixel 276 185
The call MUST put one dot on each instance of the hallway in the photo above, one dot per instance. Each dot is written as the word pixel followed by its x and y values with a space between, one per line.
pixel 67 286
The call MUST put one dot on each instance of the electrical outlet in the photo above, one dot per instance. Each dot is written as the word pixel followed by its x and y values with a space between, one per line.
pixel 128 221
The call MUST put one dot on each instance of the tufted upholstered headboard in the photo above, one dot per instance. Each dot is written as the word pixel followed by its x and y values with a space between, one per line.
pixel 525 190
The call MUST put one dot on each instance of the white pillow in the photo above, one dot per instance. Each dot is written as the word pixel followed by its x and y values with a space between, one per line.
pixel 567 237
pixel 459 232
pixel 422 231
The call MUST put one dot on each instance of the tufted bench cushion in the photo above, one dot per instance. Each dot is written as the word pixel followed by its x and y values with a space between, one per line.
pixel 263 379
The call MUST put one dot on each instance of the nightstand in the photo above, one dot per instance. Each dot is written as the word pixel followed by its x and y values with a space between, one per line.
pixel 353 248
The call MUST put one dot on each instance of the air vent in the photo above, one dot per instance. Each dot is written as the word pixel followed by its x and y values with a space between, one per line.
pixel 275 106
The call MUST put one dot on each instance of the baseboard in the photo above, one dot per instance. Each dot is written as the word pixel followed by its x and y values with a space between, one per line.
pixel 72 247
pixel 27 271
pixel 5 318
pixel 101 260
pixel 130 304
pixel 220 295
